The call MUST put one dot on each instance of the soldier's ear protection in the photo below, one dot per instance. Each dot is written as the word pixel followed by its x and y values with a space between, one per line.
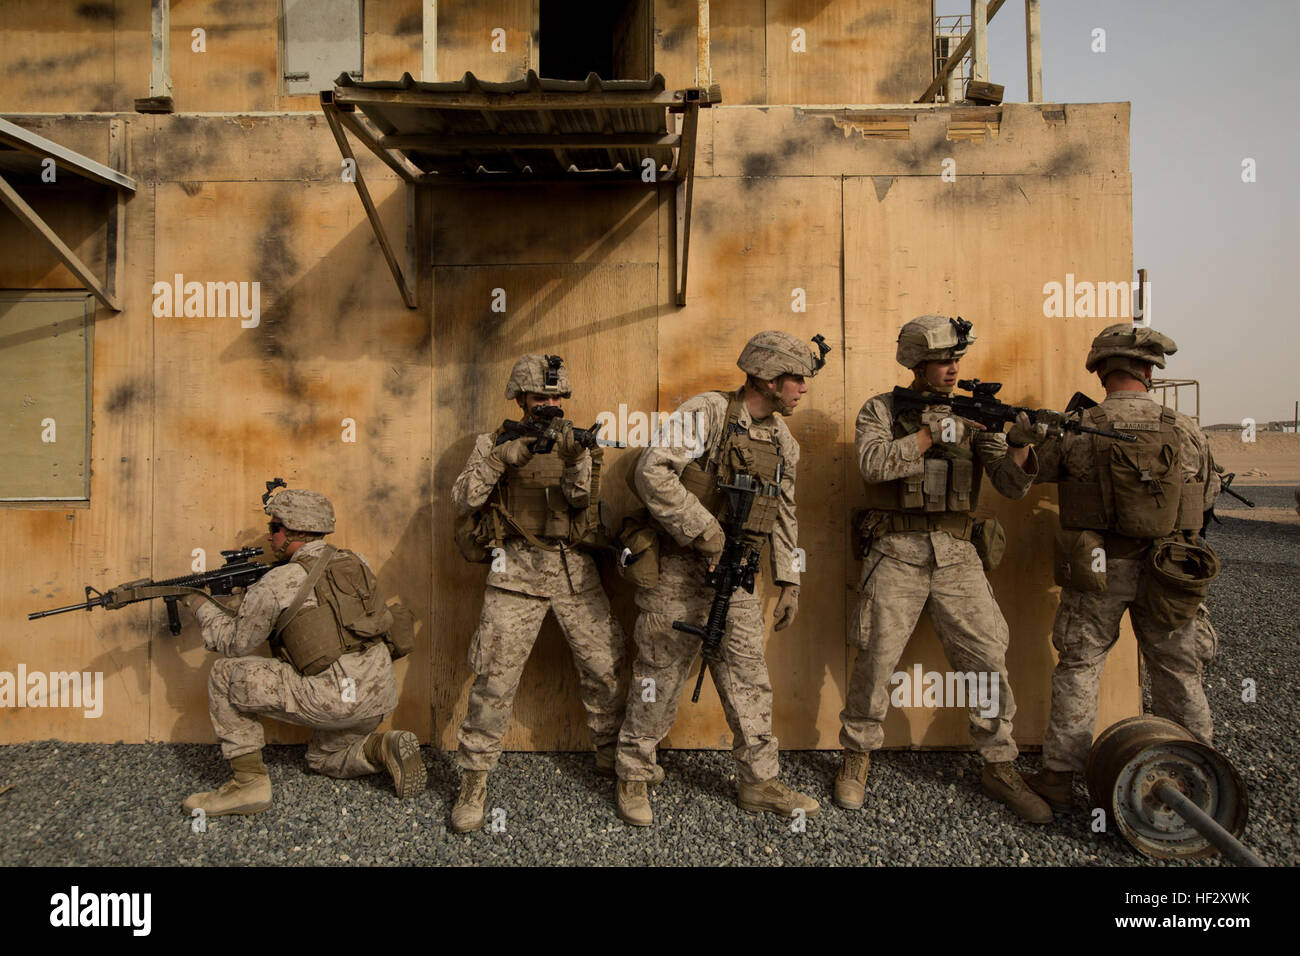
pixel 551 376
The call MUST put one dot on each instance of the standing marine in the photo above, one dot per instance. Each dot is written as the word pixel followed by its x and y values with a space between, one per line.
pixel 529 511
pixel 923 552
pixel 329 629
pixel 730 434
pixel 1131 514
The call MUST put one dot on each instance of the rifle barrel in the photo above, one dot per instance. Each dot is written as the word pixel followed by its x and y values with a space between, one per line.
pixel 84 606
pixel 1118 436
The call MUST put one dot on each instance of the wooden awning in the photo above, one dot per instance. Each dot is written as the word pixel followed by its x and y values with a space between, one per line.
pixel 530 130
pixel 27 156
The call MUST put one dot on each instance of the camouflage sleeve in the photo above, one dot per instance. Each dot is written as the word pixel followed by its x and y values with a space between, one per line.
pixel 1007 477
pixel 881 457
pixel 576 481
pixel 479 477
pixel 785 536
pixel 240 635
pixel 1196 451
pixel 1049 455
pixel 657 474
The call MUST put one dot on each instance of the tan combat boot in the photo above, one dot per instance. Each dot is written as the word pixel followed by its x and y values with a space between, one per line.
pixel 775 797
pixel 851 781
pixel 1001 782
pixel 1054 786
pixel 633 803
pixel 399 752
pixel 605 764
pixel 248 792
pixel 467 814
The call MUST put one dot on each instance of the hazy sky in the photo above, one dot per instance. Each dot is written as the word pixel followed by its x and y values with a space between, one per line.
pixel 1208 83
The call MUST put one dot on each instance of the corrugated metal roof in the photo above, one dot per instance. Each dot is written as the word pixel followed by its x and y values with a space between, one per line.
pixel 22 155
pixel 530 127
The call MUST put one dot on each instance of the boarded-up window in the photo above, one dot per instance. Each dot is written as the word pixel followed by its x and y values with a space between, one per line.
pixel 45 365
pixel 322 38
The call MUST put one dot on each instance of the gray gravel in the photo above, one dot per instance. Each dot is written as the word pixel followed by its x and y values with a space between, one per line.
pixel 94 804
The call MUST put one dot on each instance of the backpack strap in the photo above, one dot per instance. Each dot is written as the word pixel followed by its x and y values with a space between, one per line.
pixel 309 585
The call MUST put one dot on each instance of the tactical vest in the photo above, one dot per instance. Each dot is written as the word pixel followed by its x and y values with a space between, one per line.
pixel 350 612
pixel 738 452
pixel 1138 488
pixel 941 497
pixel 530 503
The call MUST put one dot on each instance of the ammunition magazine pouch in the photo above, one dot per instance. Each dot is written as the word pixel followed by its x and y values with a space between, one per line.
pixel 949 480
pixel 1079 560
pixel 1175 580
pixel 349 614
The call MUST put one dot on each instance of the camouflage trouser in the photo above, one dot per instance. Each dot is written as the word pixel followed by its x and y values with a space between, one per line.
pixel 506 633
pixel 342 705
pixel 970 627
pixel 1086 627
pixel 665 656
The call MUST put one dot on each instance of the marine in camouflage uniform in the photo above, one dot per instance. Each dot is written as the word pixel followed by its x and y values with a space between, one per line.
pixel 343 700
pixel 1174 647
pixel 535 499
pixel 734 428
pixel 923 471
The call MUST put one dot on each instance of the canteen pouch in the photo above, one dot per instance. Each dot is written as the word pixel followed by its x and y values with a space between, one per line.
pixel 1079 560
pixel 638 550
pixel 990 540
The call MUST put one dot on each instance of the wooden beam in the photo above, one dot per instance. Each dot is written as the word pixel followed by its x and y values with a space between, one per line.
pixel 703 66
pixel 332 117
pixel 540 100
pixel 1034 50
pixel 954 59
pixel 19 138
pixel 682 195
pixel 28 217
pixel 429 63
pixel 116 261
pixel 979 28
pixel 369 135
pixel 160 76
pixel 584 140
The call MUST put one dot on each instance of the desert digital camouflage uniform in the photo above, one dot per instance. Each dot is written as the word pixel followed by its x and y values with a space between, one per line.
pixel 666 655
pixel 907 572
pixel 1087 623
pixel 242 685
pixel 520 590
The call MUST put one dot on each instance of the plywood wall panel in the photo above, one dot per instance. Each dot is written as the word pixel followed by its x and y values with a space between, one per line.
pixel 394 39
pixel 753 242
pixel 971 249
pixel 736 47
pixel 333 343
pixel 48 553
pixel 465 39
pixel 601 318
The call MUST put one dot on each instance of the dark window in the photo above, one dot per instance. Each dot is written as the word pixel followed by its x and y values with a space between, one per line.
pixel 611 39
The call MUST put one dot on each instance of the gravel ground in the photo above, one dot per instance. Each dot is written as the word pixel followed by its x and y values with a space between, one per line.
pixel 95 804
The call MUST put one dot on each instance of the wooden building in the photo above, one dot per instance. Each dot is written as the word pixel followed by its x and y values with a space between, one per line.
pixel 825 199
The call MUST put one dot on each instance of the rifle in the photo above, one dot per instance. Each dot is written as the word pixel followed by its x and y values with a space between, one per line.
pixel 736 568
pixel 547 425
pixel 1224 481
pixel 238 572
pixel 983 408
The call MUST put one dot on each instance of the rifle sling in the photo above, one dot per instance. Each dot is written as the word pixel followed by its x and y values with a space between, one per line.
pixel 309 585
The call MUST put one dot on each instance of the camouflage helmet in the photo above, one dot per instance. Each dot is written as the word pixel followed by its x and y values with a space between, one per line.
pixel 933 338
pixel 1127 347
pixel 300 510
pixel 539 374
pixel 771 354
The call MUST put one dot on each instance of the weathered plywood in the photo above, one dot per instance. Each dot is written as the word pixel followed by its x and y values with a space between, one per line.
pixel 49 553
pixel 394 38
pixel 736 47
pixel 240 63
pixel 753 243
pixel 872 51
pixel 465 39
pixel 1091 138
pixel 601 317
pixel 983 248
pixel 333 343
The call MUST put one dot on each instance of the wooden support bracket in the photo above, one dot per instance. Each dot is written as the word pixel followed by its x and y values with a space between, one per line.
pixel 683 190
pixel 28 217
pixel 333 117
